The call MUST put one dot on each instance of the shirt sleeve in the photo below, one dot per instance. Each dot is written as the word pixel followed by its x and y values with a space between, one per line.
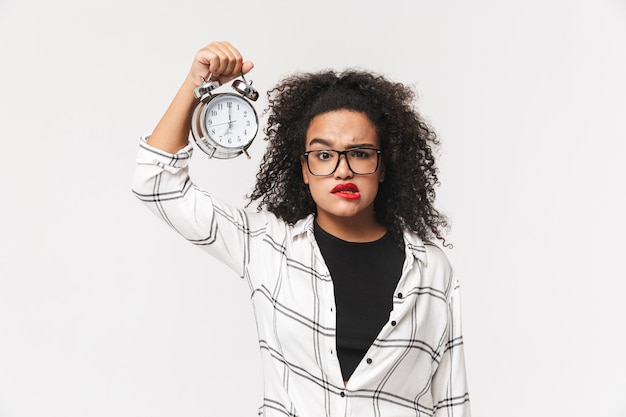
pixel 449 385
pixel 162 183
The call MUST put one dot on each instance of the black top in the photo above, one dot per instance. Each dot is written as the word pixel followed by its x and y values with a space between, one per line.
pixel 364 276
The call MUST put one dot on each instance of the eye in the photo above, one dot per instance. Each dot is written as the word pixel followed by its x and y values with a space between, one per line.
pixel 362 153
pixel 323 155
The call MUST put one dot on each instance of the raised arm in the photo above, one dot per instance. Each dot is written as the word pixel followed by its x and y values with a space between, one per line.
pixel 220 59
pixel 162 180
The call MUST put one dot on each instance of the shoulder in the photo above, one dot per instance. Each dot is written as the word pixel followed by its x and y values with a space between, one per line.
pixel 436 270
pixel 436 257
pixel 437 266
pixel 429 253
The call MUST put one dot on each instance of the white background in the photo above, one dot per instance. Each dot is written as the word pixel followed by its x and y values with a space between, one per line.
pixel 105 312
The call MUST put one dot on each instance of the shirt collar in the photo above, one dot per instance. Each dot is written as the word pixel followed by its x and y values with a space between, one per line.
pixel 412 242
pixel 304 225
pixel 415 245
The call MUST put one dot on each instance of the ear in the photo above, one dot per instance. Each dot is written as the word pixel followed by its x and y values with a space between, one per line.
pixel 305 170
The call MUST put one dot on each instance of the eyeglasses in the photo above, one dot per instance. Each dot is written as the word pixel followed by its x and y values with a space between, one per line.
pixel 361 161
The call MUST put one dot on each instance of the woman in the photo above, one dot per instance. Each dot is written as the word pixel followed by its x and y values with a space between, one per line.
pixel 358 313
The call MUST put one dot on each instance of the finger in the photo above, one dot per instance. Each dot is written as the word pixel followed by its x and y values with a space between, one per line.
pixel 234 62
pixel 222 61
pixel 222 58
pixel 247 66
pixel 212 59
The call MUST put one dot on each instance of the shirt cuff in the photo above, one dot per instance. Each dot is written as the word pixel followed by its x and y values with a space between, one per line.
pixel 150 155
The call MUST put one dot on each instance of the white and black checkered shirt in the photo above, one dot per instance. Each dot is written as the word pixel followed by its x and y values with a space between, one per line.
pixel 415 367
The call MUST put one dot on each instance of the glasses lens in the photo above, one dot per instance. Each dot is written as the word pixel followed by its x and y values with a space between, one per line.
pixel 361 161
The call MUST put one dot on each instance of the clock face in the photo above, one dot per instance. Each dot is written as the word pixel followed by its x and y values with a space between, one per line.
pixel 230 121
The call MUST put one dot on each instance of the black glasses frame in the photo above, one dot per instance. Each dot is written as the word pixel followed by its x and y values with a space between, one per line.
pixel 345 154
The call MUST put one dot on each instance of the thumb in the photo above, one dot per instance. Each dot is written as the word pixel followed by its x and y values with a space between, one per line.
pixel 247 67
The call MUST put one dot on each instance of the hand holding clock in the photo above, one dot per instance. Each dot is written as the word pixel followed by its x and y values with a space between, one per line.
pixel 220 59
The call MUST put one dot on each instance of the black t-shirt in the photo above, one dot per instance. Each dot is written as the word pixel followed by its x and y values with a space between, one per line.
pixel 364 276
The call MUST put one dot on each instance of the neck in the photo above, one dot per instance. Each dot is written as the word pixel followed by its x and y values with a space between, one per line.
pixel 352 229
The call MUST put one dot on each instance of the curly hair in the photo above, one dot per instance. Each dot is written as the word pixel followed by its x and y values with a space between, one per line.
pixel 406 142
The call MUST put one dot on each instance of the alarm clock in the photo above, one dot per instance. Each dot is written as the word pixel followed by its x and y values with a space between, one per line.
pixel 224 125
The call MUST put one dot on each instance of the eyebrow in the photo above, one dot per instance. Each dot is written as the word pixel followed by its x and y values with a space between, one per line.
pixel 324 142
pixel 319 141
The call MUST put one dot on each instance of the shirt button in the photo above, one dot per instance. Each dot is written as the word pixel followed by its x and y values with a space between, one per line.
pixel 393 322
pixel 369 361
pixel 343 394
pixel 400 295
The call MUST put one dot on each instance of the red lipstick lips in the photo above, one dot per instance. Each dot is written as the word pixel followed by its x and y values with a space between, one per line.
pixel 348 191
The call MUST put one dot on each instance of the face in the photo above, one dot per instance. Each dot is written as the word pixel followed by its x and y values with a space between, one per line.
pixel 342 195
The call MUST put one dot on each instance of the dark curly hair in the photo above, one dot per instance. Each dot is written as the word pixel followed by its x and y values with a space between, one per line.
pixel 406 141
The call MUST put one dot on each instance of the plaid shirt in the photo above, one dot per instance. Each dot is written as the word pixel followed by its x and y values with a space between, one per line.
pixel 415 367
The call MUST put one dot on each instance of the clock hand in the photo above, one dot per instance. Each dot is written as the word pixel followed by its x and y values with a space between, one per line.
pixel 225 123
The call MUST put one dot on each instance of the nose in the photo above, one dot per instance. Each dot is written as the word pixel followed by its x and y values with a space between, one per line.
pixel 343 169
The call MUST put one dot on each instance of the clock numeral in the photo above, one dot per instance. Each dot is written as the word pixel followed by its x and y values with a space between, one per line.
pixel 247 122
pixel 213 113
pixel 220 106
pixel 245 113
pixel 209 122
pixel 229 104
